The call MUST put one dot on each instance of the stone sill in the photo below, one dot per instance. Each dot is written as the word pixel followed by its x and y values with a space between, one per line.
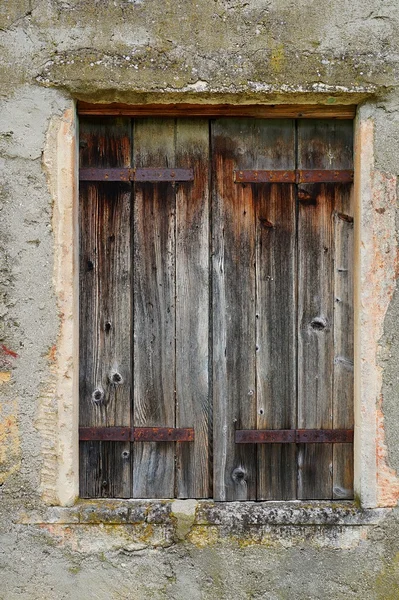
pixel 231 516
pixel 134 525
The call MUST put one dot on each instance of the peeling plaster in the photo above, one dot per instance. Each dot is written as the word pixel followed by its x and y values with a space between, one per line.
pixel 377 261
pixel 383 279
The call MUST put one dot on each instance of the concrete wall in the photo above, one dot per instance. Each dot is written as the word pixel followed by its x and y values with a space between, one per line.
pixel 138 51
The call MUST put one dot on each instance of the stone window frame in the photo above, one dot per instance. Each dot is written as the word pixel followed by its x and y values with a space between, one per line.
pixel 375 483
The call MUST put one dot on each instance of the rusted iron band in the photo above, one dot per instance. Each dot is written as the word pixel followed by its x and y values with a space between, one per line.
pixel 293 176
pixel 262 176
pixel 265 436
pixel 106 434
pixel 293 436
pixel 163 434
pixel 106 174
pixel 324 176
pixel 324 436
pixel 164 175
pixel 143 175
pixel 136 434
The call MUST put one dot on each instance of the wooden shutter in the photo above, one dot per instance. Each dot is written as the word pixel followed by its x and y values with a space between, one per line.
pixel 226 314
pixel 144 308
pixel 282 307
pixel 105 308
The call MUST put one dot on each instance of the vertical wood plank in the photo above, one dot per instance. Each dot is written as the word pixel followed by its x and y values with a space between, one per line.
pixel 343 411
pixel 322 144
pixel 105 308
pixel 274 148
pixel 154 309
pixel 192 308
pixel 276 335
pixel 233 273
pixel 315 339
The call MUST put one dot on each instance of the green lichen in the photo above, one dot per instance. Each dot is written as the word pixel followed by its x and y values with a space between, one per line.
pixel 277 58
pixel 202 536
pixel 75 569
pixel 357 501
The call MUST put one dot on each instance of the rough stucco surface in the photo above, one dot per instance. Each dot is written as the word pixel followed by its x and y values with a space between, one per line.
pixel 55 51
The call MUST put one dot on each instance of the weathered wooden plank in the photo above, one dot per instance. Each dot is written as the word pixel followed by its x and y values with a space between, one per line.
pixel 315 340
pixel 105 316
pixel 192 308
pixel 154 309
pixel 104 470
pixel 321 145
pixel 104 143
pixel 275 323
pixel 343 416
pixel 275 111
pixel 233 274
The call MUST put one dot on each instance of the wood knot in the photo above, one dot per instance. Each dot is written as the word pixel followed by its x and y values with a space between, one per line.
pixel 345 217
pixel 239 475
pixel 305 197
pixel 318 323
pixel 98 396
pixel 265 223
pixel 125 454
pixel 116 378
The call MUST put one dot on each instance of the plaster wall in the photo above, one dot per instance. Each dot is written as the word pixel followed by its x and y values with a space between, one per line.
pixel 55 52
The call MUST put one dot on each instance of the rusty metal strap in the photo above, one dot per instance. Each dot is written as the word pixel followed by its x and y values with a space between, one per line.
pixel 293 436
pixel 144 175
pixel 293 176
pixel 136 434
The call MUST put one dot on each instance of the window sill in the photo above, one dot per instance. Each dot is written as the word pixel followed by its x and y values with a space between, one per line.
pixel 137 524
pixel 232 515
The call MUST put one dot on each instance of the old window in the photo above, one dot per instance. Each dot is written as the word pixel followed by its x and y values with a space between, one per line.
pixel 216 328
